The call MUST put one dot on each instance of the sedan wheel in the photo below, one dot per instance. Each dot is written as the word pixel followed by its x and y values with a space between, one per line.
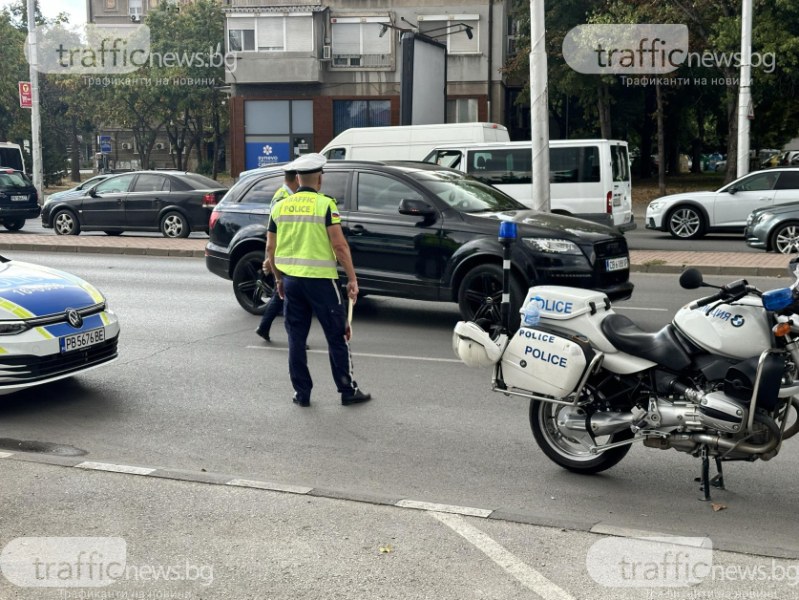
pixel 686 223
pixel 251 288
pixel 65 223
pixel 785 238
pixel 174 225
pixel 14 224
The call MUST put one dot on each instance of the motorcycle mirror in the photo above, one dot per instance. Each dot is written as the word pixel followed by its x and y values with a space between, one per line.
pixel 691 279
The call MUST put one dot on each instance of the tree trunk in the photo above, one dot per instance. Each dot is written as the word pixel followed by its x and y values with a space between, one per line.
pixel 75 153
pixel 603 105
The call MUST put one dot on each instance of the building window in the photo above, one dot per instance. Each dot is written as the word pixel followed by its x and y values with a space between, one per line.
pixel 241 35
pixel 276 131
pixel 462 110
pixel 460 33
pixel 514 31
pixel 360 113
pixel 135 10
pixel 285 33
pixel 361 42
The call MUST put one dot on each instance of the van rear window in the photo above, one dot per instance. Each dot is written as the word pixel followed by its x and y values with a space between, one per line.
pixel 514 166
pixel 621 163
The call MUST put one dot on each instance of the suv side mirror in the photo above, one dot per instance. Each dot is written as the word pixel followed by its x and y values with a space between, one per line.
pixel 416 208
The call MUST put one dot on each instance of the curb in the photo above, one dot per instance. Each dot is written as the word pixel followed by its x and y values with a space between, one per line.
pixel 731 544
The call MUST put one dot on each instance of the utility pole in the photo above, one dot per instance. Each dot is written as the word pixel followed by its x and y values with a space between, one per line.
pixel 745 89
pixel 539 106
pixel 36 134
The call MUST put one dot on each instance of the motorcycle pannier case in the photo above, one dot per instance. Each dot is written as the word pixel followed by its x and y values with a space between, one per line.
pixel 542 362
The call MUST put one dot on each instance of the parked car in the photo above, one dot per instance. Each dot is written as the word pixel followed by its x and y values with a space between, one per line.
pixel 774 228
pixel 424 232
pixel 79 190
pixel 174 203
pixel 52 325
pixel 693 214
pixel 18 199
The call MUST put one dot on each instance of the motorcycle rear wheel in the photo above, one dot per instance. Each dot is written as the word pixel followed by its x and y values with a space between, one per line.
pixel 571 452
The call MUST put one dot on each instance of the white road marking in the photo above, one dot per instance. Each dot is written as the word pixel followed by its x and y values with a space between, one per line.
pixel 265 485
pixel 366 354
pixel 445 508
pixel 6 454
pixel 523 573
pixel 97 466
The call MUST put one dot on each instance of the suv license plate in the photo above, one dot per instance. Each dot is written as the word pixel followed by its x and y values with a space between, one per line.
pixel 79 341
pixel 19 198
pixel 617 264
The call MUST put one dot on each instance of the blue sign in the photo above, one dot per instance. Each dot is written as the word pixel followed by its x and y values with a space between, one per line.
pixel 105 143
pixel 264 154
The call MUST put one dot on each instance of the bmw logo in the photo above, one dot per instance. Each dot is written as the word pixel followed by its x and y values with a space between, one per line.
pixel 74 318
pixel 737 321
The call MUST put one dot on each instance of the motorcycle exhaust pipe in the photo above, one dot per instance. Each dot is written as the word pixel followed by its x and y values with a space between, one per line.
pixel 609 423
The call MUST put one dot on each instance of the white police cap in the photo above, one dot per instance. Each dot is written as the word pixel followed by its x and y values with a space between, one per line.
pixel 289 168
pixel 309 163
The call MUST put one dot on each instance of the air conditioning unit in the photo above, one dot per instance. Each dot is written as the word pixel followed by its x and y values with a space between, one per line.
pixel 160 145
pixel 327 52
pixel 126 146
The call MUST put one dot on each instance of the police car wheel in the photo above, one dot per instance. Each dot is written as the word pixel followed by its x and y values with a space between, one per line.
pixel 480 295
pixel 251 295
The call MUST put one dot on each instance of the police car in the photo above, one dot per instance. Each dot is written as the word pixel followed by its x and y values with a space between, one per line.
pixel 52 325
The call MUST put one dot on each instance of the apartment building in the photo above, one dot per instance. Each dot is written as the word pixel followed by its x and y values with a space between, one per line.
pixel 302 72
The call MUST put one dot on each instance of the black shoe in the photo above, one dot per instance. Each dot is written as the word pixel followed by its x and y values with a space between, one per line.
pixel 300 402
pixel 263 334
pixel 356 397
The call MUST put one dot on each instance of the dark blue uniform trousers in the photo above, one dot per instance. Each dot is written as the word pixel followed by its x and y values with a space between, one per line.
pixel 273 308
pixel 304 297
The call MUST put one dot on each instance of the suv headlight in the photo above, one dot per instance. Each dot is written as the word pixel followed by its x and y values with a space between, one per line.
pixel 553 246
pixel 656 205
pixel 764 216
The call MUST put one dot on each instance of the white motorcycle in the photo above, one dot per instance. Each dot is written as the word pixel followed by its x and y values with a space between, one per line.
pixel 721 380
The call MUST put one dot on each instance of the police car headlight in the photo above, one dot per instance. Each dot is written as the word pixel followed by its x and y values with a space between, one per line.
pixel 553 246
pixel 12 327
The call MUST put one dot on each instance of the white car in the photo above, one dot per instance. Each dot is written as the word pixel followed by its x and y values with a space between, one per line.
pixel 693 214
pixel 52 325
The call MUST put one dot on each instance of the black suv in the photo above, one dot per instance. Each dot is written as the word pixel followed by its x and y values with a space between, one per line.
pixel 18 199
pixel 423 232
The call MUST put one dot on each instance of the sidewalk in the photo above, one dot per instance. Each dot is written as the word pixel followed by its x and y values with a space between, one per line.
pixel 648 261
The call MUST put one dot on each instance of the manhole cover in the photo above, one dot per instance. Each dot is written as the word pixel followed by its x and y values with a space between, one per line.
pixel 40 447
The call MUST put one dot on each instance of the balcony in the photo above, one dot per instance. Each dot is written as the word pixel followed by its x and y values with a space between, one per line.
pixel 274 67
pixel 362 61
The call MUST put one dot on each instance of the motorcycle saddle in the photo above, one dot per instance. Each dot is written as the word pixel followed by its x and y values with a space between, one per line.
pixel 661 347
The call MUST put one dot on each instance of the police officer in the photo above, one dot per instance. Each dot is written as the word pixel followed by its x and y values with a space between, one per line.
pixel 303 243
pixel 275 305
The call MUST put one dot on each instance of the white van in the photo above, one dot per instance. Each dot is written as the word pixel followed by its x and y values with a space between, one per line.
pixel 589 179
pixel 11 156
pixel 408 142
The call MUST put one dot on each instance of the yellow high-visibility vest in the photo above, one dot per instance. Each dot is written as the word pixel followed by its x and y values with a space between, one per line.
pixel 303 247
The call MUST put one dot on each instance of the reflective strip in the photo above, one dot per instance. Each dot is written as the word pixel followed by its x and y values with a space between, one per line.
pixel 306 262
pixel 3 350
pixel 44 333
pixel 105 318
pixel 506 264
pixel 300 219
pixel 15 309
pixel 506 297
pixel 92 291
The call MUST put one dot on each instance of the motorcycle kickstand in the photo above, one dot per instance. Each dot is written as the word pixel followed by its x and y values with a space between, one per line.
pixel 718 479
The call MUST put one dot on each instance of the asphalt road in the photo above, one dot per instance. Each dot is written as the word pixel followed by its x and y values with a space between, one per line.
pixel 195 389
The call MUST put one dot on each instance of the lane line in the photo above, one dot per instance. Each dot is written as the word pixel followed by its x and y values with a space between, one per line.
pixel 97 466
pixel 522 572
pixel 368 355
pixel 265 485
pixel 6 454
pixel 445 508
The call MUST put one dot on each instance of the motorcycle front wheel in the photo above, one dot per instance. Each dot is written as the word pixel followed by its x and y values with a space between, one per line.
pixel 569 448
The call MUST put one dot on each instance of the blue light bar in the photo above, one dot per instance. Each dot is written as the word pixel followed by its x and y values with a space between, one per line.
pixel 507 230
